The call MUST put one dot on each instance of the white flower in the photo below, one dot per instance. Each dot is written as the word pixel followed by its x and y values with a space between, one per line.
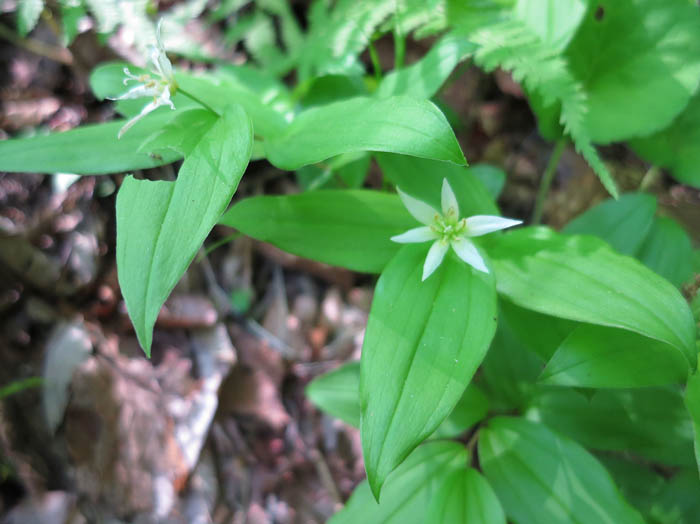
pixel 447 229
pixel 161 86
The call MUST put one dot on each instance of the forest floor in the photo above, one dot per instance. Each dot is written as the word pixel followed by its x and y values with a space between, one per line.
pixel 215 426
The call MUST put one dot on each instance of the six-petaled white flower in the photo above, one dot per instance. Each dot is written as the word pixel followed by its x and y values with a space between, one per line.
pixel 447 229
pixel 161 86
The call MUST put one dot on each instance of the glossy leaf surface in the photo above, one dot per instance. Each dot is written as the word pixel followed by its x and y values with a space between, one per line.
pixel 161 225
pixel 423 343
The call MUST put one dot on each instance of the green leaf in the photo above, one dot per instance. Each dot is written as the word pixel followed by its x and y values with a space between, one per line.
pixel 408 490
pixel 161 225
pixel 692 403
pixel 668 251
pixel 639 63
pixel 540 334
pixel 424 78
pixel 493 178
pixel 471 408
pixel 623 223
pixel 338 393
pixel 422 178
pixel 87 150
pixel 542 477
pixel 465 497
pixel 349 228
pixel 554 21
pixel 28 12
pixel 676 147
pixel 581 278
pixel 347 171
pixel 423 343
pixel 332 88
pixel 509 372
pixel 603 357
pixel 72 12
pixel 650 422
pixel 182 133
pixel 217 91
pixel 397 125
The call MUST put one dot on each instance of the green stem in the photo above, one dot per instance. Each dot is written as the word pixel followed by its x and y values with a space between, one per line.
pixel 375 62
pixel 547 178
pixel 399 49
pixel 198 100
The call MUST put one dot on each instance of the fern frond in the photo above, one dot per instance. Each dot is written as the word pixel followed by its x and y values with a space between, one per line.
pixel 513 46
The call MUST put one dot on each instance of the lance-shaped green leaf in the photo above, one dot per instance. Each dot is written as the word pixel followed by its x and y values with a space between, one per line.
pixel 465 497
pixel 582 278
pixel 603 357
pixel 648 422
pixel 493 178
pixel 639 63
pixel 87 150
pixel 423 343
pixel 161 225
pixel 676 147
pixel 349 228
pixel 422 178
pixel 409 489
pixel 424 78
pixel 692 403
pixel 541 477
pixel 623 223
pixel 668 251
pixel 338 393
pixel 397 125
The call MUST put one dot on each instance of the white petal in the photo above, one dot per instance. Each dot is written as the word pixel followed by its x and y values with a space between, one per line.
pixel 151 106
pixel 449 200
pixel 482 224
pixel 158 57
pixel 139 91
pixel 418 234
pixel 435 255
pixel 466 250
pixel 164 98
pixel 419 209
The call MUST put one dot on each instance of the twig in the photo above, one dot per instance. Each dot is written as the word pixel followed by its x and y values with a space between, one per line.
pixel 61 54
pixel 546 181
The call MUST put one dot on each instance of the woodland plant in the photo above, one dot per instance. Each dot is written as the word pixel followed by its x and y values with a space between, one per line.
pixel 566 360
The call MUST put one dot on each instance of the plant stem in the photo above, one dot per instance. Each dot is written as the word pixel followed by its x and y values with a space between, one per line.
pixel 399 49
pixel 198 100
pixel 375 62
pixel 547 178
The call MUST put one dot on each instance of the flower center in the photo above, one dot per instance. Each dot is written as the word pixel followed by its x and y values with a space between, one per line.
pixel 448 227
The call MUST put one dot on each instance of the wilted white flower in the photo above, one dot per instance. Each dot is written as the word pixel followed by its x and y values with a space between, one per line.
pixel 161 85
pixel 447 229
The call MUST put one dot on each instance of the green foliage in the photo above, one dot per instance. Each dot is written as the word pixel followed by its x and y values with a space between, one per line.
pixel 88 150
pixel 586 343
pixel 423 343
pixel 677 147
pixel 465 496
pixel 580 278
pixel 349 228
pixel 540 476
pixel 410 488
pixel 161 225
pixel 398 125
